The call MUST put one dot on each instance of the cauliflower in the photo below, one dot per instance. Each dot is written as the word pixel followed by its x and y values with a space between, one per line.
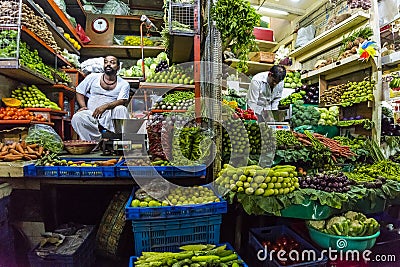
pixel 319 225
pixel 353 216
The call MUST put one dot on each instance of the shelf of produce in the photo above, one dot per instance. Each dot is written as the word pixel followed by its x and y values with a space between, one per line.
pixel 58 16
pixel 73 70
pixel 48 54
pixel 64 88
pixel 14 70
pixel 254 67
pixel 121 51
pixel 166 86
pixel 391 60
pixel 62 42
pixel 318 44
pixel 167 110
pixel 338 68
pixel 76 10
pixel 265 45
pixel 394 99
pixel 15 122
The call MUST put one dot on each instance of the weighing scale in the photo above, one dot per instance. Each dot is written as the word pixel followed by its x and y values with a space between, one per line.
pixel 279 126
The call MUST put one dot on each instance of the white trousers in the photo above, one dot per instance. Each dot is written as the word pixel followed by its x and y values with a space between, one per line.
pixel 87 127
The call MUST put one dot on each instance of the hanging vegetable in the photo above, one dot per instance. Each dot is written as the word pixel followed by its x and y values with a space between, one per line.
pixel 236 30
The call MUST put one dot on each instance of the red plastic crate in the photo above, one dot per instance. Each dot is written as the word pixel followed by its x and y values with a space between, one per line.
pixel 263 34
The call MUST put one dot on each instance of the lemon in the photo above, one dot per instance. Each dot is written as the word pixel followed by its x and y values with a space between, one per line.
pixel 135 203
pixel 66 35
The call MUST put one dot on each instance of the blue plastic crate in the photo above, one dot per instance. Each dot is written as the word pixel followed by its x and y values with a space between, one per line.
pixel 4 204
pixel 71 171
pixel 140 213
pixel 82 257
pixel 169 234
pixel 257 235
pixel 228 246
pixel 124 171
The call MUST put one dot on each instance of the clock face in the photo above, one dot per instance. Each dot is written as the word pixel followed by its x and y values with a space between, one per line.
pixel 100 25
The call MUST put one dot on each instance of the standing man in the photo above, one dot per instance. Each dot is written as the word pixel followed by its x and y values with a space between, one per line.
pixel 265 91
pixel 107 95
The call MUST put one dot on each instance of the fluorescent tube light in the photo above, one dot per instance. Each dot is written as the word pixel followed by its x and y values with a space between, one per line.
pixel 270 10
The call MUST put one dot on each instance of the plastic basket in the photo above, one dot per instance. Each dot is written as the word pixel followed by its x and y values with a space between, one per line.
pixel 135 213
pixel 169 234
pixel 71 171
pixel 228 246
pixel 309 210
pixel 82 257
pixel 257 235
pixel 123 171
pixel 344 243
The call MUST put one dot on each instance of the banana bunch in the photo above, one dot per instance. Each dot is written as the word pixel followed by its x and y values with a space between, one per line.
pixel 395 82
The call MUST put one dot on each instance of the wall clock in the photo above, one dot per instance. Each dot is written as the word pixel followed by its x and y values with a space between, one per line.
pixel 100 25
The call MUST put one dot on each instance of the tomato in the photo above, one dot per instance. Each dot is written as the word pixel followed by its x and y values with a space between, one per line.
pixel 8 108
pixel 1 116
pixel 21 117
pixel 14 117
pixel 10 113
pixel 39 116
pixel 7 118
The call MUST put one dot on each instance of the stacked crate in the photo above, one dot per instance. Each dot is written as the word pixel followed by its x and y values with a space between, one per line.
pixel 166 228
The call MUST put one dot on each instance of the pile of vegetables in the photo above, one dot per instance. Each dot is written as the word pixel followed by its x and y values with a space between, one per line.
pixel 286 140
pixel 255 180
pixel 351 42
pixel 247 114
pixel 174 74
pixel 235 142
pixel 385 169
pixel 176 197
pixel 311 93
pixel 328 182
pixel 154 135
pixel 357 145
pixel 178 100
pixel 357 92
pixel 20 151
pixel 332 94
pixel 191 255
pixel 329 116
pixel 32 97
pixel 150 65
pixel 45 136
pixel 358 120
pixel 292 98
pixel 135 41
pixel 9 113
pixel 292 79
pixel 304 115
pixel 349 224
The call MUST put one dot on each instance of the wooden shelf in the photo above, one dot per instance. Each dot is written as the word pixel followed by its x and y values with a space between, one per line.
pixel 254 67
pixel 166 86
pixel 62 42
pixel 121 51
pixel 12 69
pixel 129 24
pixel 76 10
pixel 315 45
pixel 391 60
pixel 23 122
pixel 265 45
pixel 53 111
pixel 59 18
pixel 338 68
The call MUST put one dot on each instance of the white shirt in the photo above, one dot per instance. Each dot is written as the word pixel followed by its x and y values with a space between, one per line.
pixel 98 96
pixel 259 96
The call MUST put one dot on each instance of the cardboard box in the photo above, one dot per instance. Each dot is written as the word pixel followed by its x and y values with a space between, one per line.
pixel 13 135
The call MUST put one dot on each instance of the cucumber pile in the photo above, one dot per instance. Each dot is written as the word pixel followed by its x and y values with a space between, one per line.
pixel 191 255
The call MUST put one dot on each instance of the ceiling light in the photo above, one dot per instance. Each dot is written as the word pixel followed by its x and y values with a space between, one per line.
pixel 270 10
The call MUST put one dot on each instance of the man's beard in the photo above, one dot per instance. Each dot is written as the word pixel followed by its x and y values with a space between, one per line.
pixel 110 71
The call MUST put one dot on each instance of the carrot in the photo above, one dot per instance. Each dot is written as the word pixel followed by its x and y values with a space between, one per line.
pixel 30 150
pixel 40 151
pixel 12 157
pixel 1 146
pixel 32 156
pixel 4 148
pixel 119 159
pixel 13 145
pixel 15 152
pixel 26 157
pixel 33 145
pixel 23 144
pixel 19 148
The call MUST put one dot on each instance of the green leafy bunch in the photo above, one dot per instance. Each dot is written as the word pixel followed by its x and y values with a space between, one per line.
pixel 236 20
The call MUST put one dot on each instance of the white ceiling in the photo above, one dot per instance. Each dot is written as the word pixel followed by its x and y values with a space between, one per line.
pixel 295 8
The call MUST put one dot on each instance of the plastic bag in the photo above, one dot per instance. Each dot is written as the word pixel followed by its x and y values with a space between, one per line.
pixel 82 35
pixel 115 7
pixel 46 137
pixel 93 65
pixel 305 35
pixel 61 4
pixel 91 9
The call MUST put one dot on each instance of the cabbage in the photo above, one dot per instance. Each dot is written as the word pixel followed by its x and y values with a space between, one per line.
pixel 139 62
pixel 148 61
pixel 153 66
pixel 160 57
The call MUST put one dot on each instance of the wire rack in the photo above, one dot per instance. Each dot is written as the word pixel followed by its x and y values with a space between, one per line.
pixel 10 21
pixel 184 18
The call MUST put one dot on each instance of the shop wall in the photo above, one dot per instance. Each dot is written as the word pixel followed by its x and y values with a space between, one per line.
pixel 6 85
pixel 282 28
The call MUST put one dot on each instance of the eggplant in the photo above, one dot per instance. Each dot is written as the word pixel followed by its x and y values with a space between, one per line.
pixel 359 117
pixel 344 119
pixel 298 89
pixel 304 87
pixel 351 118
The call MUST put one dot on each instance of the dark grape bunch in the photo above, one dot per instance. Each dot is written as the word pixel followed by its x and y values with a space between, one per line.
pixel 163 65
pixel 327 182
pixel 364 4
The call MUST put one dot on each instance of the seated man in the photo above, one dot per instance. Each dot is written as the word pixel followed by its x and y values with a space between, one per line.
pixel 107 95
